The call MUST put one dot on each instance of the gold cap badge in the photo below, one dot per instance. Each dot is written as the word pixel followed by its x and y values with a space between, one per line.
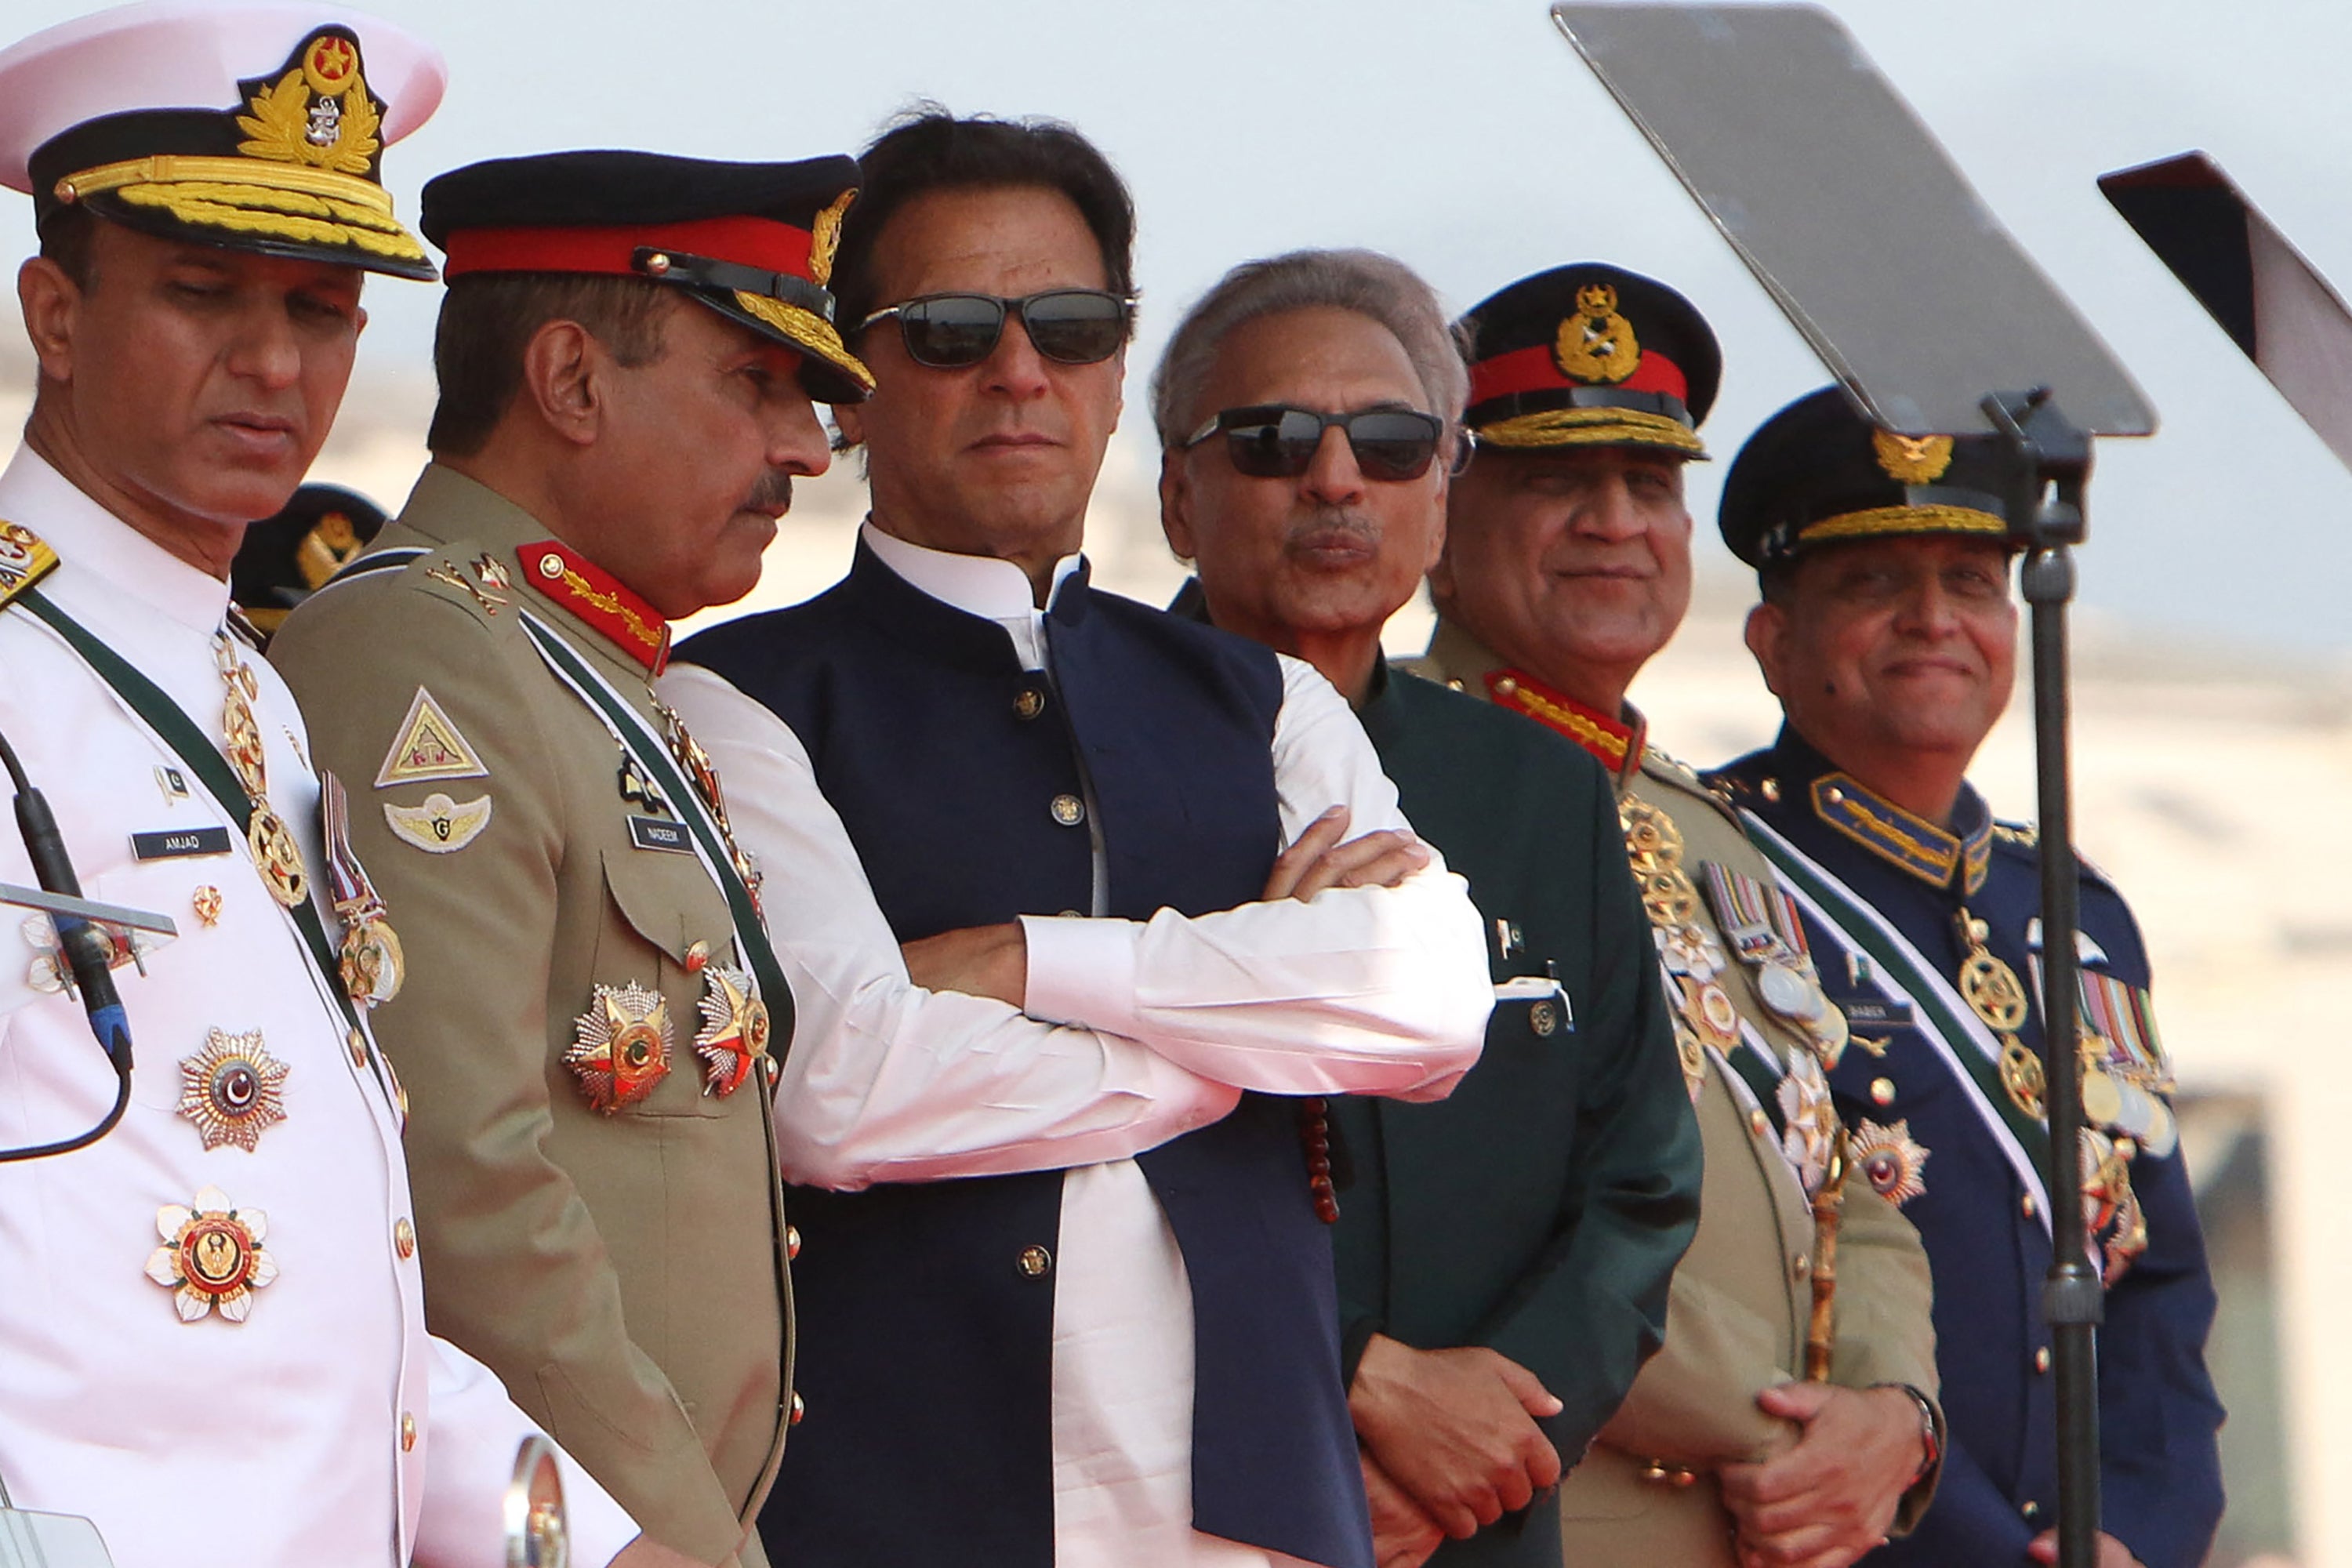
pixel 1912 459
pixel 1597 343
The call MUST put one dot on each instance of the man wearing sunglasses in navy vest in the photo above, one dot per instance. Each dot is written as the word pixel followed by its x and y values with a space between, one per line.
pixel 1065 1175
pixel 1504 1256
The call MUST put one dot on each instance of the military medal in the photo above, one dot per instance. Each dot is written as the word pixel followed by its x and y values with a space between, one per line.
pixel 50 974
pixel 1692 957
pixel 622 1049
pixel 233 1090
pixel 1992 990
pixel 1809 1119
pixel 734 1034
pixel 274 852
pixel 370 958
pixel 212 1258
pixel 1769 935
pixel 703 776
pixel 1890 1160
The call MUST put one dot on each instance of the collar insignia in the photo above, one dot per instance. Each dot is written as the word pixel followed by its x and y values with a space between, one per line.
pixel 1907 842
pixel 600 599
pixel 24 560
pixel 1616 743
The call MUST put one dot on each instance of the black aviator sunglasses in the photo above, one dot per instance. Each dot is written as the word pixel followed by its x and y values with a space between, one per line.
pixel 954 331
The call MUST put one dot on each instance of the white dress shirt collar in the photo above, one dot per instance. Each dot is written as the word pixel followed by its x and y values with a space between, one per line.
pixel 90 540
pixel 984 585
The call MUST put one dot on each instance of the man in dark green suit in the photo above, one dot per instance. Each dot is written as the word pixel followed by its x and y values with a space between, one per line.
pixel 1504 1256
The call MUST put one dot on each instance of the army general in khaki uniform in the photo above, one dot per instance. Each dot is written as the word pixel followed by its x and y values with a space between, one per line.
pixel 1567 565
pixel 589 996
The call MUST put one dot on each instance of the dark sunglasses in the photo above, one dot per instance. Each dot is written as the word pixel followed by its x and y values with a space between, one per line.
pixel 1272 441
pixel 951 332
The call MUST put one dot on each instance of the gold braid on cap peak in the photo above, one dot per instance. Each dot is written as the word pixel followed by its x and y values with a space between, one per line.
pixel 1886 520
pixel 186 204
pixel 809 330
pixel 1592 427
pixel 170 168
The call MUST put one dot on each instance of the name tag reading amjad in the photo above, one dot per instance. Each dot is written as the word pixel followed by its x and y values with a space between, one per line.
pixel 178 844
pixel 652 833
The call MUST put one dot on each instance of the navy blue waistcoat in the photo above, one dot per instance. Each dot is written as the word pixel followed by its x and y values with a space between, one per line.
pixel 925 1311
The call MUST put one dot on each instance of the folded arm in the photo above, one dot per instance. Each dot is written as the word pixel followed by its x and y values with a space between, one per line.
pixel 1361 990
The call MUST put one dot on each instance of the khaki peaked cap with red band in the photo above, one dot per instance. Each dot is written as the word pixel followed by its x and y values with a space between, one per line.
pixel 1818 473
pixel 752 241
pixel 1590 355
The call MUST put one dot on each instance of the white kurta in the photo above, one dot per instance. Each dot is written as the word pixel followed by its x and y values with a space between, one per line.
pixel 278 1440
pixel 1136 1032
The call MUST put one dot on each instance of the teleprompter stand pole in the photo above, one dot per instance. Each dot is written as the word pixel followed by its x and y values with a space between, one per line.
pixel 2046 502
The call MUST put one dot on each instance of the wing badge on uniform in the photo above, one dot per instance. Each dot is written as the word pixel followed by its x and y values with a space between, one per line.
pixel 622 1048
pixel 212 1258
pixel 441 826
pixel 734 1034
pixel 429 747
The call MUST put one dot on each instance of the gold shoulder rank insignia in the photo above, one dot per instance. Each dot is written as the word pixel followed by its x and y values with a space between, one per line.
pixel 1912 459
pixel 441 826
pixel 24 560
pixel 429 748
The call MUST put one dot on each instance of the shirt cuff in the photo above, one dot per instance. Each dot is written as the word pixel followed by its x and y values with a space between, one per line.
pixel 1081 972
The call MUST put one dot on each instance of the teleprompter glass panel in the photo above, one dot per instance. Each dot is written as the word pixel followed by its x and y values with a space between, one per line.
pixel 1851 215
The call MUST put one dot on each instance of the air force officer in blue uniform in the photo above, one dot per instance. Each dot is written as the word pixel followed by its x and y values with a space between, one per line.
pixel 1888 633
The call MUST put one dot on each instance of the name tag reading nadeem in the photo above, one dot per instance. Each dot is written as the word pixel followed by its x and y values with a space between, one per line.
pixel 180 843
pixel 652 833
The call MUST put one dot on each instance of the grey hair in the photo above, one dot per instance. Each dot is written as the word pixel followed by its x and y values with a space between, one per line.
pixel 1374 285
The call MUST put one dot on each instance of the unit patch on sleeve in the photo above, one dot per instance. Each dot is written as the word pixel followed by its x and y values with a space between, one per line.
pixel 429 747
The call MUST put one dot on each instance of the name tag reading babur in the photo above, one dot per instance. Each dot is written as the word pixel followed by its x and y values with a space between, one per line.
pixel 178 844
pixel 650 833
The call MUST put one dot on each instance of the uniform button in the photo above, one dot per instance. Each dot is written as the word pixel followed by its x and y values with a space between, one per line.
pixel 1454 684
pixel 1771 789
pixel 404 1238
pixel 1505 685
pixel 2032 1511
pixel 358 1043
pixel 2042 1359
pixel 1802 1267
pixel 1029 703
pixel 2027 1206
pixel 791 1241
pixel 1760 1123
pixel 407 1432
pixel 1882 1091
pixel 1070 914
pixel 1068 810
pixel 1834 795
pixel 799 1410
pixel 1543 1018
pixel 1034 1261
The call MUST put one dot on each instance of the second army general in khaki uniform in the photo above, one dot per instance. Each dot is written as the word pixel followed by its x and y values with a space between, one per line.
pixel 583 1028
pixel 1567 565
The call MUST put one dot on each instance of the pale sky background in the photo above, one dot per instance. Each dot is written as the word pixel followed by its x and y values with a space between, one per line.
pixel 1467 139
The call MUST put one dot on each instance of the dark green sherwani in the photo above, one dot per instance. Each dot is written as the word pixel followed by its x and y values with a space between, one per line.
pixel 1539 1210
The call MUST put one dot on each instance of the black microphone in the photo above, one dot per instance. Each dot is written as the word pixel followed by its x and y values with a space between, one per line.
pixel 85 948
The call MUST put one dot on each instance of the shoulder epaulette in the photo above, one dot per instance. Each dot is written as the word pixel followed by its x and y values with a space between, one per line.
pixel 464 574
pixel 24 559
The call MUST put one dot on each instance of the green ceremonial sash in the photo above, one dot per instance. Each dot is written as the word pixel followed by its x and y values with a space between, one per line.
pixel 182 736
pixel 1862 926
